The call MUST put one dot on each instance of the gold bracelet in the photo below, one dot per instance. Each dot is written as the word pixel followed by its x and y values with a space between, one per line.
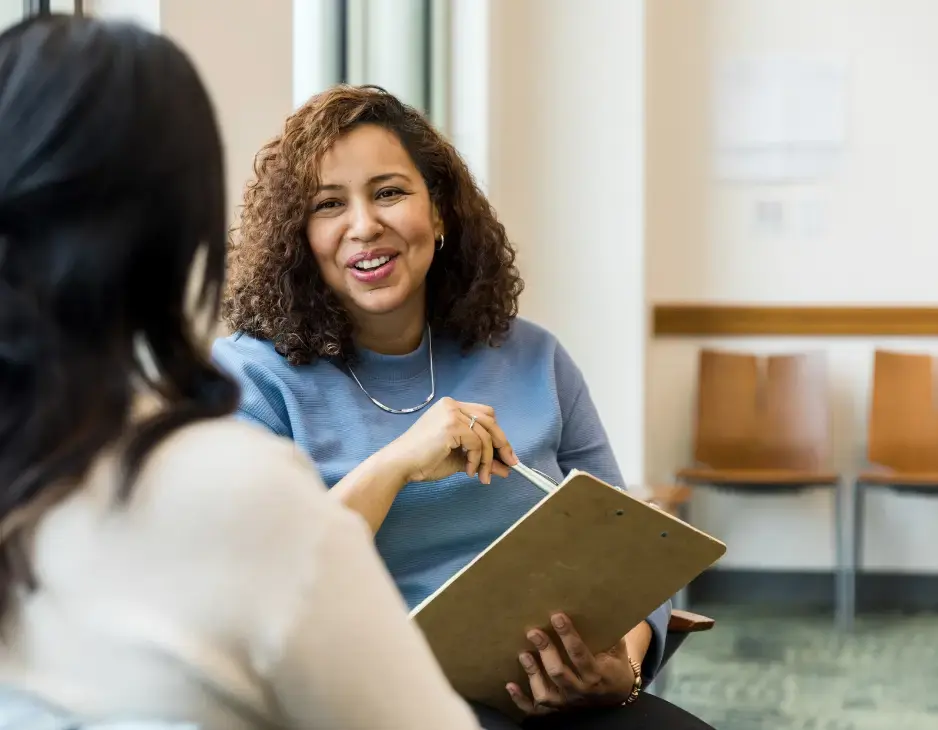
pixel 637 687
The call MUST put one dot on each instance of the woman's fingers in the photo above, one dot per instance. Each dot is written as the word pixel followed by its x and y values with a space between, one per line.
pixel 505 453
pixel 483 466
pixel 499 469
pixel 557 671
pixel 524 703
pixel 474 429
pixel 441 442
pixel 471 444
pixel 580 656
pixel 543 693
pixel 486 416
pixel 521 700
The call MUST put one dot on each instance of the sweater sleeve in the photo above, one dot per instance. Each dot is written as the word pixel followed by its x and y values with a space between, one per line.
pixel 261 400
pixel 335 644
pixel 584 445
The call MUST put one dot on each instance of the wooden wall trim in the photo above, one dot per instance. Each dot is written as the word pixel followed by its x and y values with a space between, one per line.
pixel 718 320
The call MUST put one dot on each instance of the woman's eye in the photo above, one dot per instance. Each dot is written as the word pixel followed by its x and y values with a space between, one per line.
pixel 326 205
pixel 389 193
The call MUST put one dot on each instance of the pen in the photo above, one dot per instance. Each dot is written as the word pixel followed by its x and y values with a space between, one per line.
pixel 539 479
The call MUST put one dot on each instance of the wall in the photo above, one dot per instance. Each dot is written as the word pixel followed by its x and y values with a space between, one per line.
pixel 565 173
pixel 874 240
pixel 244 49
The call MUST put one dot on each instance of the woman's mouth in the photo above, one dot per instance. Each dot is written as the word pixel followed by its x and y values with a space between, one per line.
pixel 373 269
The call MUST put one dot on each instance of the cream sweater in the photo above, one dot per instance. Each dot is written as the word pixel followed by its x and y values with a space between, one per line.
pixel 231 591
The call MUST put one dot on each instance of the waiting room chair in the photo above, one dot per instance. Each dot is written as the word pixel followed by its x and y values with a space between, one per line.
pixel 902 441
pixel 682 625
pixel 762 426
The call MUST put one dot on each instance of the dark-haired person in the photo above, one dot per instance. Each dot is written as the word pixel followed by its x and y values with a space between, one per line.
pixel 159 559
pixel 372 298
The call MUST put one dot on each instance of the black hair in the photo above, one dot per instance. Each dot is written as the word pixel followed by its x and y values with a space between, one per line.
pixel 111 196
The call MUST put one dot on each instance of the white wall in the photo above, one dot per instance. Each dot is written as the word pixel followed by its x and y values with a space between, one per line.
pixel 877 242
pixel 244 49
pixel 565 174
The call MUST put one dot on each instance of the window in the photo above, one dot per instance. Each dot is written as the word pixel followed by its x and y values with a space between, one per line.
pixel 400 45
pixel 13 11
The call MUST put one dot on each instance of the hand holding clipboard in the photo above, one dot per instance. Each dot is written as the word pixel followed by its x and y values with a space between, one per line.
pixel 594 552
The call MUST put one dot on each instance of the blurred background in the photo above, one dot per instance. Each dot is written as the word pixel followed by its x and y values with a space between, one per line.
pixel 694 186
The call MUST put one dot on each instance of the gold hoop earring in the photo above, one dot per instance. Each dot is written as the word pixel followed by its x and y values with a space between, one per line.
pixel 439 245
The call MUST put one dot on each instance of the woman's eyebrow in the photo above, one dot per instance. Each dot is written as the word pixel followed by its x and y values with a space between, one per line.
pixel 383 177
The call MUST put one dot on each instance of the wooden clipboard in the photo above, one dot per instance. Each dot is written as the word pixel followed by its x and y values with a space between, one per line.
pixel 593 551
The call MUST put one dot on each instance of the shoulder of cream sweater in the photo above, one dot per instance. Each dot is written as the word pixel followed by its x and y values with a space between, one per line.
pixel 228 453
pixel 220 485
pixel 223 513
pixel 224 471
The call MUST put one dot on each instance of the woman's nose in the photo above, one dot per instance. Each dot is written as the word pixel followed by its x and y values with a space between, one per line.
pixel 365 225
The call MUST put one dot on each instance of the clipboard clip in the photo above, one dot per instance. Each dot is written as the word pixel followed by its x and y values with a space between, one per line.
pixel 539 479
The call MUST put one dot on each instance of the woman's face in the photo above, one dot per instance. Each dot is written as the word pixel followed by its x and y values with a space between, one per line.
pixel 372 227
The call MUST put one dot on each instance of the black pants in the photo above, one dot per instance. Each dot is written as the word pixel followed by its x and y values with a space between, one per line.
pixel 646 713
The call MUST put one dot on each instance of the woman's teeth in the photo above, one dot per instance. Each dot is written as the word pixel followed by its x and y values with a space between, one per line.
pixel 368 264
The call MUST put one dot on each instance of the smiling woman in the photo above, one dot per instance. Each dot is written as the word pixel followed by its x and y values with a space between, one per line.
pixel 314 192
pixel 373 296
pixel 372 230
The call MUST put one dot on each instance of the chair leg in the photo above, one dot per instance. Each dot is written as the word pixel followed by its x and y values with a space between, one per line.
pixel 683 511
pixel 842 579
pixel 680 600
pixel 856 559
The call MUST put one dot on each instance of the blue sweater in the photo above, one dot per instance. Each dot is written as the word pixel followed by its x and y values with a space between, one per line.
pixel 434 529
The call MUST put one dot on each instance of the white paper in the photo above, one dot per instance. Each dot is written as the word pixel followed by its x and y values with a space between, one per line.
pixel 779 118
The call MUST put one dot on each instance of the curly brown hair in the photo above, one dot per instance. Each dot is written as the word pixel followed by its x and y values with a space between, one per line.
pixel 275 291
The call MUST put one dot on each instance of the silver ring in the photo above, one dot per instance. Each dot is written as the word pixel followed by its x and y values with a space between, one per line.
pixel 472 422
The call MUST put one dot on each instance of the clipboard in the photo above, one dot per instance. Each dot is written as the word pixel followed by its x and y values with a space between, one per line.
pixel 591 550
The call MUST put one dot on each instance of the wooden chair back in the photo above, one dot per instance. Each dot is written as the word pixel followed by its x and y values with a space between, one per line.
pixel 762 412
pixel 903 422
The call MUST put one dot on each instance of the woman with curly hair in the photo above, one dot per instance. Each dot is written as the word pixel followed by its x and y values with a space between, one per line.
pixel 372 297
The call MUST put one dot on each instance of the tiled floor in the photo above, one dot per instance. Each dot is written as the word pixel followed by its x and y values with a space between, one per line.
pixel 758 671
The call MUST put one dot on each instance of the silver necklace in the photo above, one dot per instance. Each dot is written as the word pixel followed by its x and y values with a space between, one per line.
pixel 403 411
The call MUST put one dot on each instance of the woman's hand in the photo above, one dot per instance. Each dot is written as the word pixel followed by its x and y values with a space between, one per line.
pixel 438 445
pixel 595 680
pixel 442 443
